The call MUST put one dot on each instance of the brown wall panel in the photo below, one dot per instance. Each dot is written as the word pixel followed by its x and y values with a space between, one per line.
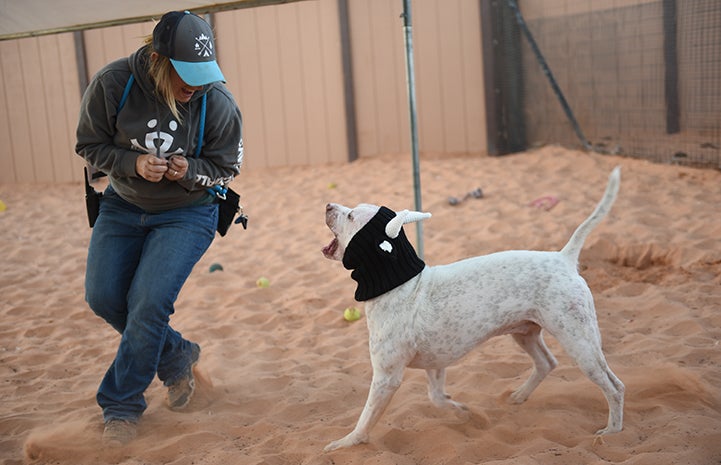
pixel 448 77
pixel 108 44
pixel 241 67
pixel 379 77
pixel 39 105
pixel 19 121
pixel 61 95
pixel 35 111
pixel 323 83
pixel 474 107
pixel 283 65
pixel 10 135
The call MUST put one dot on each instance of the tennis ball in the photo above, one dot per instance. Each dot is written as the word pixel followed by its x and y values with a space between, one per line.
pixel 332 185
pixel 262 282
pixel 351 314
pixel 215 267
pixel 3 207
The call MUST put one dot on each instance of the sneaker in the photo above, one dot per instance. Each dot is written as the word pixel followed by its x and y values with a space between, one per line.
pixel 180 392
pixel 119 432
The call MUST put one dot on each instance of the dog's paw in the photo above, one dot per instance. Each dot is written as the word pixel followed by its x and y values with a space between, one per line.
pixel 608 430
pixel 333 446
pixel 444 401
pixel 461 410
pixel 518 396
pixel 348 441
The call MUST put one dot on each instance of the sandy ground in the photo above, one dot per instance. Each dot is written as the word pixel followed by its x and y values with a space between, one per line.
pixel 282 373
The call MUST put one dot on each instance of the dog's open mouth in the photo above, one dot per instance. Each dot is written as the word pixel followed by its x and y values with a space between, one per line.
pixel 329 250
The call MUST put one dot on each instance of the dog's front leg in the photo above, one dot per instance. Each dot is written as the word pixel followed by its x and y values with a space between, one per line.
pixel 383 386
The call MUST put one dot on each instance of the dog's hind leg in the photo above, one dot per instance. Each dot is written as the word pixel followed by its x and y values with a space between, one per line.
pixel 437 393
pixel 613 390
pixel 597 370
pixel 383 386
pixel 585 349
pixel 543 361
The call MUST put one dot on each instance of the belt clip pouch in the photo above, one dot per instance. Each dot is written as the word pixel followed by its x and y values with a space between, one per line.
pixel 92 200
pixel 227 209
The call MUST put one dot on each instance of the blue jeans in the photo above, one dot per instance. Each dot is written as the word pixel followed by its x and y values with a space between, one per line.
pixel 137 264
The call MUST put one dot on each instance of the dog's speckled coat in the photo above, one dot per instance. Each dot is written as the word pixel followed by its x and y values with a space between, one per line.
pixel 435 318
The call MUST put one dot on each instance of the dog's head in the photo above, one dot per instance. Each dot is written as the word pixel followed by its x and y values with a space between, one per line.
pixel 345 222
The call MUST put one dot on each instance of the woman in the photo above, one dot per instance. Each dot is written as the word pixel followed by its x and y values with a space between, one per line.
pixel 165 145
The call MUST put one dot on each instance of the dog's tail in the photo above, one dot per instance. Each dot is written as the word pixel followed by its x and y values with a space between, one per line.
pixel 573 249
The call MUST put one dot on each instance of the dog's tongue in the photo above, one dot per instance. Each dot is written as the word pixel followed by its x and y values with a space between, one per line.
pixel 329 249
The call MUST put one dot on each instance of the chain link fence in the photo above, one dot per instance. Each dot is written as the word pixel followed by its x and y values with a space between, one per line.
pixel 635 78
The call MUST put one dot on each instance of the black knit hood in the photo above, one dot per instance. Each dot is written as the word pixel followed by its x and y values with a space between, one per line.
pixel 380 263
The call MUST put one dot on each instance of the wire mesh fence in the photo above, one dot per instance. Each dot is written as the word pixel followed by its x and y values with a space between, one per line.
pixel 640 78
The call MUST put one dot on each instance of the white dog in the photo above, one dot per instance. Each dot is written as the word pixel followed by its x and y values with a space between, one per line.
pixel 430 317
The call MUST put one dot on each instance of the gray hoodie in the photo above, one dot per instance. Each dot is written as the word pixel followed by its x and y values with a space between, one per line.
pixel 111 141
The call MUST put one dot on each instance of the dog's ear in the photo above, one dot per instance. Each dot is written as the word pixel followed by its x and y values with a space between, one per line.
pixel 393 228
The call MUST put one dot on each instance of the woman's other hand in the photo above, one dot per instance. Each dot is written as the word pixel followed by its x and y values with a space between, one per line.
pixel 150 167
pixel 177 167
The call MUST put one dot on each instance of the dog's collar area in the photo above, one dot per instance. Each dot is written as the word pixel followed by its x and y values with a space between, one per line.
pixel 380 263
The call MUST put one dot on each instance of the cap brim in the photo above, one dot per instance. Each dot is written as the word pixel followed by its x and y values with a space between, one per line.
pixel 198 73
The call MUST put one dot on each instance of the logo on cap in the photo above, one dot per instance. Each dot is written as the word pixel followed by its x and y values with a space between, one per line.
pixel 204 46
pixel 187 40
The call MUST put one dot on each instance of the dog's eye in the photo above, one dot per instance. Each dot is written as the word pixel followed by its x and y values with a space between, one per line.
pixel 350 216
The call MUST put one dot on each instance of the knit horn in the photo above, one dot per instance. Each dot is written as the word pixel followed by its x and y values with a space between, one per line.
pixel 393 228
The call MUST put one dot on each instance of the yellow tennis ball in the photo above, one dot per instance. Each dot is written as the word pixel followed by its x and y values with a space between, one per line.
pixel 351 314
pixel 262 282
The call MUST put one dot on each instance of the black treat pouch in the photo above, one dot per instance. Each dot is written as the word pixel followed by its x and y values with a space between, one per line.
pixel 227 209
pixel 92 200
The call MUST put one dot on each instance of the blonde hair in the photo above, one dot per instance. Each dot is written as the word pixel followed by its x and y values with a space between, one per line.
pixel 160 70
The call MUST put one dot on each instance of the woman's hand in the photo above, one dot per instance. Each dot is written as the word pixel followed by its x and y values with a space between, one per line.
pixel 177 167
pixel 150 167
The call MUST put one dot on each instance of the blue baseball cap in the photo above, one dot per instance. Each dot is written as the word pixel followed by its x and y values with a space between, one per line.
pixel 187 40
